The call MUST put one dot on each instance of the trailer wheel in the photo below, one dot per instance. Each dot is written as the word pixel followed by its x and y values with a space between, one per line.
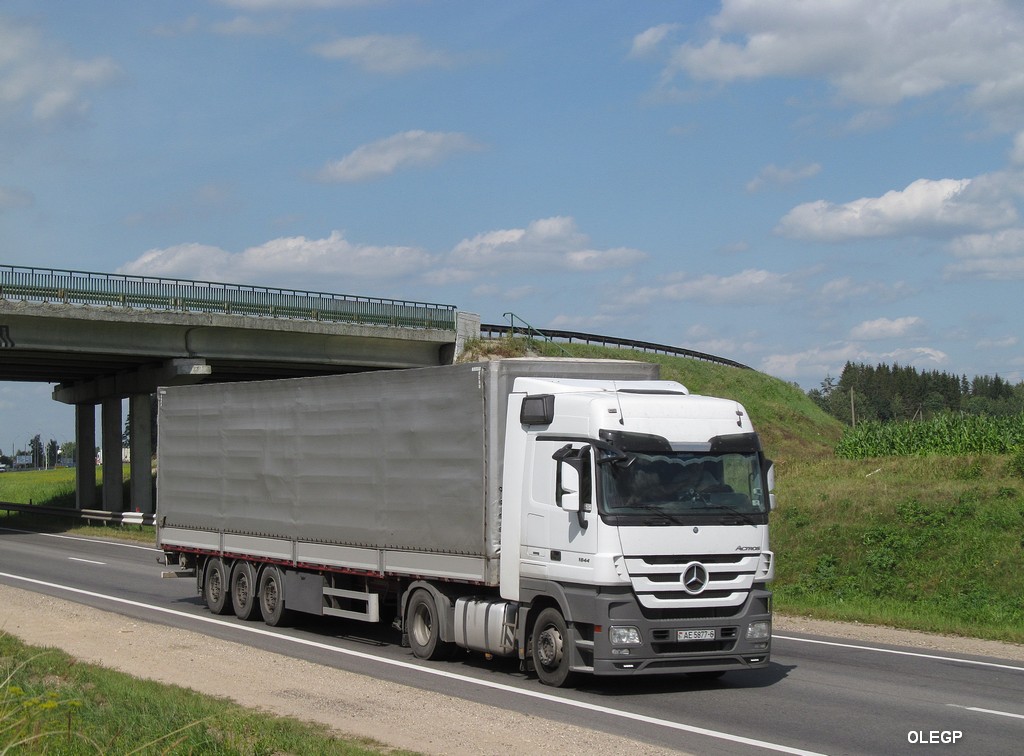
pixel 243 591
pixel 271 597
pixel 215 586
pixel 424 627
pixel 548 647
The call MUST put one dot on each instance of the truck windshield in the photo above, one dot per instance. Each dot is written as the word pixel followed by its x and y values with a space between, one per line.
pixel 684 487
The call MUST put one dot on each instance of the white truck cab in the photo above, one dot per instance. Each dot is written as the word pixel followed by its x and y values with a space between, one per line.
pixel 641 511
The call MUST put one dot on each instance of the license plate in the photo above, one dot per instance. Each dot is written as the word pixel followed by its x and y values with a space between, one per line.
pixel 695 635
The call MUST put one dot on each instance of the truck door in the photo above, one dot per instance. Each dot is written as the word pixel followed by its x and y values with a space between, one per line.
pixel 560 528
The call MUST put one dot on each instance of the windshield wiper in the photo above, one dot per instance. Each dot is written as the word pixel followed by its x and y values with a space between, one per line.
pixel 673 518
pixel 746 518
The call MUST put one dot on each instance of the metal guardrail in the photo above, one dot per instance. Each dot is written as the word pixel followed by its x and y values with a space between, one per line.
pixel 491 331
pixel 90 515
pixel 144 293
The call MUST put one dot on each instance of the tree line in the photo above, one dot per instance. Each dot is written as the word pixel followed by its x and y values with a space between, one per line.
pixel 895 392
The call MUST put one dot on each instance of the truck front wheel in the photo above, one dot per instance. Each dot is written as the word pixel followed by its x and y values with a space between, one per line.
pixel 271 597
pixel 424 628
pixel 215 587
pixel 550 649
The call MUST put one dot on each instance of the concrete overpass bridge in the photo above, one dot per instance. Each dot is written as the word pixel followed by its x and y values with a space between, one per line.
pixel 102 338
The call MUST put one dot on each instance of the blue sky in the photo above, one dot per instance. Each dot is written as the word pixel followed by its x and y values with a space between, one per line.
pixel 791 185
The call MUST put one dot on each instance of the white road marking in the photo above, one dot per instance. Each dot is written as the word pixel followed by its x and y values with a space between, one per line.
pixel 901 653
pixel 988 711
pixel 87 561
pixel 427 670
pixel 111 542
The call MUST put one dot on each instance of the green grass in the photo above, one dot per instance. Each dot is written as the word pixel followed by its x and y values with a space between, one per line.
pixel 926 543
pixel 51 703
pixel 56 488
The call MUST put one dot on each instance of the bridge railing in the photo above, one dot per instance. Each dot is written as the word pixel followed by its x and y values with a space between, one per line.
pixel 146 293
pixel 495 331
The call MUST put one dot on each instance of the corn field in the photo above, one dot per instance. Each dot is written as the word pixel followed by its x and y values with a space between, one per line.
pixel 947 434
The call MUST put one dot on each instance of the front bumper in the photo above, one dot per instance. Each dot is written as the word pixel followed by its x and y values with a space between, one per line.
pixel 679 644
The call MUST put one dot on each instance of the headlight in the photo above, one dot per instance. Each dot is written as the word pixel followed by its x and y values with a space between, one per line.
pixel 761 630
pixel 623 636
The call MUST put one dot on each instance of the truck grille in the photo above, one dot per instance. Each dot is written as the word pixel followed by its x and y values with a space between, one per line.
pixel 714 585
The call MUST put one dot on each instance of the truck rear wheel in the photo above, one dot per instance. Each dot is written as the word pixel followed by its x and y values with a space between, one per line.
pixel 424 628
pixel 549 648
pixel 243 591
pixel 215 587
pixel 271 597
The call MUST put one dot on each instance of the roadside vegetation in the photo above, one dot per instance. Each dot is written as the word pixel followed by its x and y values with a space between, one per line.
pixel 51 703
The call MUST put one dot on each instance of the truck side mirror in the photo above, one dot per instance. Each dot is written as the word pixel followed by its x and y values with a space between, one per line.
pixel 572 480
pixel 568 484
pixel 771 485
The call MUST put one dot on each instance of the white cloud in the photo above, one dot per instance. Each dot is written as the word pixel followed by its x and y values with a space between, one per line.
pixel 646 42
pixel 995 256
pixel 822 361
pixel 773 175
pixel 846 289
pixel 924 207
pixel 38 77
pixel 1017 153
pixel 873 52
pixel 381 53
pixel 404 150
pixel 286 258
pixel 549 242
pixel 746 287
pixel 1007 342
pixel 886 328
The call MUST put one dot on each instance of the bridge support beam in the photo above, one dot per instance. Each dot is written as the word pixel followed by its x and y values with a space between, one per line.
pixel 113 475
pixel 85 456
pixel 141 486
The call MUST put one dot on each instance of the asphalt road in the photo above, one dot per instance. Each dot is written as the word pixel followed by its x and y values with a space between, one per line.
pixel 819 695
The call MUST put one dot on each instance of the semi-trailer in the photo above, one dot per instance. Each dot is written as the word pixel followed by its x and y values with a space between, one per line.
pixel 579 515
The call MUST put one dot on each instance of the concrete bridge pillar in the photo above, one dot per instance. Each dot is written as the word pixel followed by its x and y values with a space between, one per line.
pixel 113 477
pixel 85 456
pixel 141 486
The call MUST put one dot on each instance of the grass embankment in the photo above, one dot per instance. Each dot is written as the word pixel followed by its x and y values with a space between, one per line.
pixel 933 543
pixel 50 703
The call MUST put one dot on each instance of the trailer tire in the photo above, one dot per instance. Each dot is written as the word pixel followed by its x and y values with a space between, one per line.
pixel 244 598
pixel 216 587
pixel 272 598
pixel 549 649
pixel 424 628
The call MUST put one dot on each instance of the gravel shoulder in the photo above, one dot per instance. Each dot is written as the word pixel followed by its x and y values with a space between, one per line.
pixel 395 715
